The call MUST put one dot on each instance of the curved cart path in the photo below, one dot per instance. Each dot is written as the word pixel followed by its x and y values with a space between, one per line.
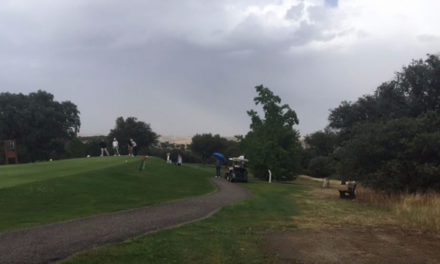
pixel 57 241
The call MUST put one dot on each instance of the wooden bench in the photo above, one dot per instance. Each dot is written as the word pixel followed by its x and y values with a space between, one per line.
pixel 349 192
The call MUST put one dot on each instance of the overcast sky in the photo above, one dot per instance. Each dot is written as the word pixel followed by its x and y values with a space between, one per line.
pixel 190 66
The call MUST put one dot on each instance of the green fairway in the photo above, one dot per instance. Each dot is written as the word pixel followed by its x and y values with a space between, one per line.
pixel 233 235
pixel 12 175
pixel 45 192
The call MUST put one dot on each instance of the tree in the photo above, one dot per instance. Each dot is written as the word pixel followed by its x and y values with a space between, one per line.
pixel 75 148
pixel 322 143
pixel 206 144
pixel 140 131
pixel 91 144
pixel 272 142
pixel 40 125
pixel 420 82
pixel 414 91
pixel 390 140
pixel 397 155
pixel 321 167
pixel 317 157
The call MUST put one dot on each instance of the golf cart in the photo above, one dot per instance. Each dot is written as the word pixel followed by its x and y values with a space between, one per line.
pixel 238 171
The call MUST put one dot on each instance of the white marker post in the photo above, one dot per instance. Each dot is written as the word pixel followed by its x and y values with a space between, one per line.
pixel 270 176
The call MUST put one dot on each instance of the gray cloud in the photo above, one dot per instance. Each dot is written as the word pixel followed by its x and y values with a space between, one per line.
pixel 190 67
pixel 296 12
pixel 428 38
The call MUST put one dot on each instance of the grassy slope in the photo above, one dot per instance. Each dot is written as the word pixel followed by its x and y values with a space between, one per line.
pixel 41 193
pixel 13 175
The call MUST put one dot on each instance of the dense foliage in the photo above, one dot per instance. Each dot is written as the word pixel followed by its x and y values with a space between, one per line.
pixel 414 91
pixel 272 143
pixel 401 154
pixel 140 131
pixel 316 158
pixel 391 140
pixel 206 144
pixel 40 125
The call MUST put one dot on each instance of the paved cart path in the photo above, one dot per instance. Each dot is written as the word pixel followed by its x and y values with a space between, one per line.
pixel 57 241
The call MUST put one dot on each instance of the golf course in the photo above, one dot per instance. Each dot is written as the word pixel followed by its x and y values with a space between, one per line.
pixel 291 222
pixel 46 192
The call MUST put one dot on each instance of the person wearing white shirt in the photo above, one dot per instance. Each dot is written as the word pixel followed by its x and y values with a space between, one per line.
pixel 116 147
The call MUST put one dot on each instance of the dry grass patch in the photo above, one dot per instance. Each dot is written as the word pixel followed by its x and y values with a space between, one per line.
pixel 334 230
pixel 420 211
pixel 322 208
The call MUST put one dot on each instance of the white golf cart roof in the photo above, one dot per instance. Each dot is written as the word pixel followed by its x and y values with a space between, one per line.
pixel 239 159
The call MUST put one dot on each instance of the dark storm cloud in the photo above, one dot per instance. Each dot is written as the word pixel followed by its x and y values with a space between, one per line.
pixel 187 67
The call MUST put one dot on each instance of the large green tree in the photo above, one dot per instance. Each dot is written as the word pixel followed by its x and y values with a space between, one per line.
pixel 321 143
pixel 317 157
pixel 206 144
pixel 414 91
pixel 39 124
pixel 390 140
pixel 397 155
pixel 272 143
pixel 130 127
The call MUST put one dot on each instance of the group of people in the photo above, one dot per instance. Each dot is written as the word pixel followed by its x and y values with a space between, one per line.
pixel 179 159
pixel 132 148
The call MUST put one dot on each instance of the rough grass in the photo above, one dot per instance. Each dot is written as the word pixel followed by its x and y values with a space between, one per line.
pixel 41 193
pixel 233 235
pixel 322 208
pixel 415 211
pixel 419 211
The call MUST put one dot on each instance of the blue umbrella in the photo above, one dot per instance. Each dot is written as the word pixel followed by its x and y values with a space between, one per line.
pixel 219 156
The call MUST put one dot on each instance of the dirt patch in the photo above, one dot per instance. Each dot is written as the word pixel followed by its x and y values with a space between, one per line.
pixel 352 244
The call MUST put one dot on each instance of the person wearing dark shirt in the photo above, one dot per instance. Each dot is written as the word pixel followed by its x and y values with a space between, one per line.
pixel 103 147
pixel 133 147
pixel 218 165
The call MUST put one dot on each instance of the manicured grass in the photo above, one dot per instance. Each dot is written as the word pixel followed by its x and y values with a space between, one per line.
pixel 233 235
pixel 13 175
pixel 40 193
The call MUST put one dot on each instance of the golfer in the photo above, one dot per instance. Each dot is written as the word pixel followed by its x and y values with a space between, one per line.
pixel 115 144
pixel 133 147
pixel 103 147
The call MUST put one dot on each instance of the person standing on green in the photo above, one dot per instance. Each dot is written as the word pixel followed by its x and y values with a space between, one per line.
pixel 115 145
pixel 133 145
pixel 103 147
